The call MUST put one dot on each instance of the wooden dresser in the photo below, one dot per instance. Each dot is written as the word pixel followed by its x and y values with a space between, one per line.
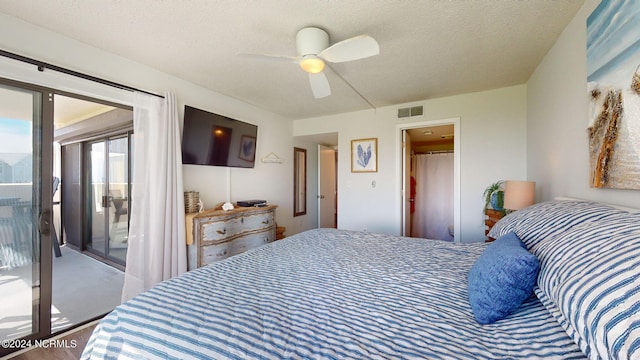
pixel 219 234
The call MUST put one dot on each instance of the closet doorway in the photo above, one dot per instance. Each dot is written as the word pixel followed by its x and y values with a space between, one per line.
pixel 430 180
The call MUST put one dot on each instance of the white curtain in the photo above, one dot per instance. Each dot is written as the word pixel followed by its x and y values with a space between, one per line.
pixel 157 249
pixel 434 196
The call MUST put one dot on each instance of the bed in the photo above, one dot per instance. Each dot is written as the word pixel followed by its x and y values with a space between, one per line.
pixel 334 294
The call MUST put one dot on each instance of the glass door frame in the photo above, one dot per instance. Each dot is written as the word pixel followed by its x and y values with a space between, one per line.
pixel 87 163
pixel 42 208
pixel 43 218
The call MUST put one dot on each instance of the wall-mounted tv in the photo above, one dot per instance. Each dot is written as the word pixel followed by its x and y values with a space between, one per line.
pixel 212 139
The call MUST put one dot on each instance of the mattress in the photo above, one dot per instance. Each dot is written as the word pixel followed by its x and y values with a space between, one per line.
pixel 327 294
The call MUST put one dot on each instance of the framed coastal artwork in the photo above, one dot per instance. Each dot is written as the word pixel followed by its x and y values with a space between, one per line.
pixel 613 89
pixel 364 155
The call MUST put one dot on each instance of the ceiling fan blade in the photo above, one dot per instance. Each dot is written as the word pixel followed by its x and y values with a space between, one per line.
pixel 355 48
pixel 267 57
pixel 319 85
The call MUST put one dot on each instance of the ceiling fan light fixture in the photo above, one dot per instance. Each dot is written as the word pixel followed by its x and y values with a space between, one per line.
pixel 312 64
pixel 314 53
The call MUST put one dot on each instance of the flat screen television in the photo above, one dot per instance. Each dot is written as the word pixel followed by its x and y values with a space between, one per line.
pixel 212 139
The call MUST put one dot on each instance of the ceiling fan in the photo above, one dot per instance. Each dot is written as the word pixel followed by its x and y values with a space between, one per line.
pixel 313 48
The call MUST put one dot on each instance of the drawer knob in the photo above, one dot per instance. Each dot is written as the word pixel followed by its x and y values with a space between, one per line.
pixel 222 232
pixel 266 222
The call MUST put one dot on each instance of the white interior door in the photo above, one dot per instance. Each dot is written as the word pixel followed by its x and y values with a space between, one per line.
pixel 327 194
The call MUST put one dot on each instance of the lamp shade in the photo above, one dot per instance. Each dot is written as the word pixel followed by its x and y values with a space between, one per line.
pixel 519 194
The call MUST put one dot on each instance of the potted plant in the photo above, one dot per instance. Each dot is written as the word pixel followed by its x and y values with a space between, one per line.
pixel 494 196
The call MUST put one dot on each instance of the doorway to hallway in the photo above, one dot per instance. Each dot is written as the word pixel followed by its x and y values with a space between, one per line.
pixel 327 187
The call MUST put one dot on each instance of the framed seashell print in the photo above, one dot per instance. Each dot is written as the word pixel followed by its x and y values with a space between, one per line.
pixel 364 155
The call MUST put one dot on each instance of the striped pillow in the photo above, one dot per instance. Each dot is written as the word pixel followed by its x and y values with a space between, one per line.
pixel 591 276
pixel 541 221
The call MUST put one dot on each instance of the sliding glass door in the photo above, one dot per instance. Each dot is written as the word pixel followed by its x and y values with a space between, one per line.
pixel 94 189
pixel 25 213
pixel 108 197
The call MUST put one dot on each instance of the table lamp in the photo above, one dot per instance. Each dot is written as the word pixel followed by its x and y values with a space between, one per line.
pixel 518 194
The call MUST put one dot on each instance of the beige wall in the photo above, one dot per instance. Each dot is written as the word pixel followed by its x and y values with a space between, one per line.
pixel 492 147
pixel 557 120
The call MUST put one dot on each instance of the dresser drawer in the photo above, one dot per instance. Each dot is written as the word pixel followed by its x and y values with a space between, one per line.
pixel 217 252
pixel 220 230
pixel 259 221
pixel 213 253
pixel 251 241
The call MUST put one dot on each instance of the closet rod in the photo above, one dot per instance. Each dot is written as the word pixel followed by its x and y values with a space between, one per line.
pixel 43 65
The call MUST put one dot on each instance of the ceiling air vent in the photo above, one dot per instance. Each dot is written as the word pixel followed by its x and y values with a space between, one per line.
pixel 411 111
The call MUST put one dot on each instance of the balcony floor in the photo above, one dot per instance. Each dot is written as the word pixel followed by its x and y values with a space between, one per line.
pixel 83 288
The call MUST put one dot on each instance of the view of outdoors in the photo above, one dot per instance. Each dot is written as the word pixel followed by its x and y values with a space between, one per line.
pixel 17 244
pixel 90 250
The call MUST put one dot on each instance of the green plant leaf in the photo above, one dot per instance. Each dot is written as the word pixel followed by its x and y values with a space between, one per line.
pixel 496 186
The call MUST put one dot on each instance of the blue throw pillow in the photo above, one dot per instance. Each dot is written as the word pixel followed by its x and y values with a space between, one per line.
pixel 501 279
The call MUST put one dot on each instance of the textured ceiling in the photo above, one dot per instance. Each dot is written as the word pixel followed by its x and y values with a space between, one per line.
pixel 428 48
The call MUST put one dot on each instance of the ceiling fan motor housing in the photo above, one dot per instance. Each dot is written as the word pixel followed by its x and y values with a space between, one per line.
pixel 311 41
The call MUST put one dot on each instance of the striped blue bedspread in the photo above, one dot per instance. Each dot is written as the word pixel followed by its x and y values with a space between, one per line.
pixel 327 294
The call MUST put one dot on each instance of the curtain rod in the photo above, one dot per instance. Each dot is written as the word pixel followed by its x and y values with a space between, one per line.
pixel 43 65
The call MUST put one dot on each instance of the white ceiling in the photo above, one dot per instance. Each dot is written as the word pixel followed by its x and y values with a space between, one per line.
pixel 428 48
pixel 18 106
pixel 69 110
pixel 431 134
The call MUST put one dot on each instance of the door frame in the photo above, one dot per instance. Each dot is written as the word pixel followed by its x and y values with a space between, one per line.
pixel 400 171
pixel 42 193
pixel 42 309
pixel 104 253
pixel 335 184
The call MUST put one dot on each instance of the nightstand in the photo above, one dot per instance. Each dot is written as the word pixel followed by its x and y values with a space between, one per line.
pixel 491 218
pixel 280 232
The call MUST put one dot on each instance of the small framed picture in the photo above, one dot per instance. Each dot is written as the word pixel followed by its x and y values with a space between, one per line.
pixel 247 148
pixel 364 155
